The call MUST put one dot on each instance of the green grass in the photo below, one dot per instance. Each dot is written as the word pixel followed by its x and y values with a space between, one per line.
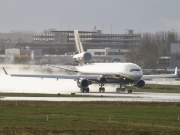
pixel 89 118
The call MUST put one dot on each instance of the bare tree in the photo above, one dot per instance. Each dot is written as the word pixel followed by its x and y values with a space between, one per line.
pixel 152 47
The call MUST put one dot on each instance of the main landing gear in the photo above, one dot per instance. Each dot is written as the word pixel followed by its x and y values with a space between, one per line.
pixel 122 89
pixel 101 88
pixel 84 89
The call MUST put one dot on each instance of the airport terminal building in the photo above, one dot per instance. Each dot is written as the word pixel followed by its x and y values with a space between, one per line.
pixel 90 39
pixel 114 46
pixel 128 38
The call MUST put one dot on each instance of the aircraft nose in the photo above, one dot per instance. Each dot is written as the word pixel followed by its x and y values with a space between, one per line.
pixel 140 75
pixel 137 76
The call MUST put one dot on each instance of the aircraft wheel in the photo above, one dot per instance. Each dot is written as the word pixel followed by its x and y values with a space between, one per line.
pixel 117 89
pixel 103 89
pixel 87 89
pixel 82 90
pixel 99 89
pixel 129 91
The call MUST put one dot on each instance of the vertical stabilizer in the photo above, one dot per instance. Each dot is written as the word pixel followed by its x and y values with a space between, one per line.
pixel 78 42
pixel 82 57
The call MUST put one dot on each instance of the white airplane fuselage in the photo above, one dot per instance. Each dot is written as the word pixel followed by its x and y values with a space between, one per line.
pixel 127 70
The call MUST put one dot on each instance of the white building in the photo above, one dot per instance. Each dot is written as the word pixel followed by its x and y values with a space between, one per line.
pixel 108 55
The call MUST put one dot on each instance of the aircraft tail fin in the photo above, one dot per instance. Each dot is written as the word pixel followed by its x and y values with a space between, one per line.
pixel 78 42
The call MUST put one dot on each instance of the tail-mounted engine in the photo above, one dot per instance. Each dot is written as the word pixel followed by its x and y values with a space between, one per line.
pixel 140 84
pixel 83 83
pixel 82 57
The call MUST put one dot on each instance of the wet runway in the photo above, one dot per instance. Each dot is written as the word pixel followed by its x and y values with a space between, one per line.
pixel 52 86
pixel 136 96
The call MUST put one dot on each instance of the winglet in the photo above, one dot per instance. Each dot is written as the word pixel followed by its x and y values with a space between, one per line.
pixel 176 71
pixel 5 71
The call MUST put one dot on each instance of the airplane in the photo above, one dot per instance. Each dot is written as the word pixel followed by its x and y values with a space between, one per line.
pixel 101 73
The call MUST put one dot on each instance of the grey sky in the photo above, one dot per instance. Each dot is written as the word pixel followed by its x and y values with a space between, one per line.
pixel 139 15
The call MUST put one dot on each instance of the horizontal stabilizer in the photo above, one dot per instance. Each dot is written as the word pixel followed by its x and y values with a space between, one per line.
pixel 5 71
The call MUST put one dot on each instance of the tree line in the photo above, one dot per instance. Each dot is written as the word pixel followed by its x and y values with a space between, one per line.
pixel 152 47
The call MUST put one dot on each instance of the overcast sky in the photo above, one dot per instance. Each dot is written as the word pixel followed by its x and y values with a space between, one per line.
pixel 139 15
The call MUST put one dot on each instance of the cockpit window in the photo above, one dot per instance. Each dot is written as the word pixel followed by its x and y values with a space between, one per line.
pixel 135 70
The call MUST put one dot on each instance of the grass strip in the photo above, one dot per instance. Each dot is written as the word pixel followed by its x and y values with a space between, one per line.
pixel 32 117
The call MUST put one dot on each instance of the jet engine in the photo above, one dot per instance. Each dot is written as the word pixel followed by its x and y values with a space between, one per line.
pixel 83 83
pixel 82 57
pixel 140 84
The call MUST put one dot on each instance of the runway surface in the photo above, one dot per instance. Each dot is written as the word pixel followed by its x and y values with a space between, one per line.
pixel 136 96
pixel 52 86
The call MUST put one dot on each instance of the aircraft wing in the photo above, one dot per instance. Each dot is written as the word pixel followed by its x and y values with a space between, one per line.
pixel 90 77
pixel 175 75
pixel 68 69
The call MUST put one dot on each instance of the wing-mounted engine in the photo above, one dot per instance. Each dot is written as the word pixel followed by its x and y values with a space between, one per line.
pixel 83 83
pixel 140 84
pixel 83 57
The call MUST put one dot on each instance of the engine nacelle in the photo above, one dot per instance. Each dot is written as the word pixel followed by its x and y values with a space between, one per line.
pixel 83 83
pixel 140 84
pixel 82 57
